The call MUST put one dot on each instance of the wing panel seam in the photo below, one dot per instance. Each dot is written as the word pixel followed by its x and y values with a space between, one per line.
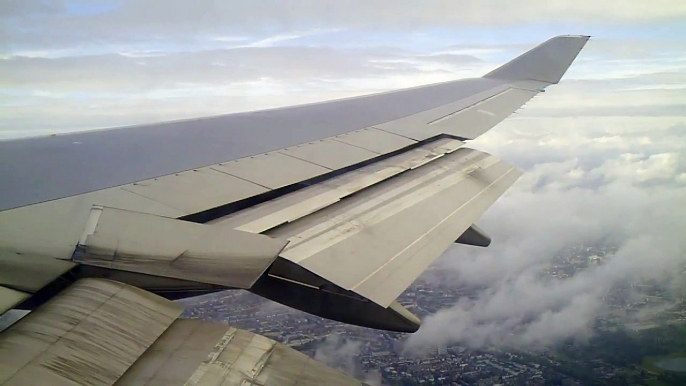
pixel 468 107
pixel 421 237
pixel 304 160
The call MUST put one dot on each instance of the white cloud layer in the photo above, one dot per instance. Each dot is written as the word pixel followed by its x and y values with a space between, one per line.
pixel 344 355
pixel 587 181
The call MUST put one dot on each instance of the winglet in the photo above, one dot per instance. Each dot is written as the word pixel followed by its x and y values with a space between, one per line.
pixel 547 62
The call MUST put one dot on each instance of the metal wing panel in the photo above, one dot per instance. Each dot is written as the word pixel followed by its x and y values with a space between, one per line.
pixel 245 358
pixel 465 118
pixel 479 118
pixel 196 190
pixel 291 207
pixel 329 153
pixel 100 332
pixel 387 283
pixel 546 62
pixel 160 246
pixel 53 228
pixel 289 367
pixel 10 298
pixel 198 353
pixel 407 126
pixel 272 170
pixel 30 273
pixel 375 140
pixel 90 334
pixel 175 355
pixel 380 241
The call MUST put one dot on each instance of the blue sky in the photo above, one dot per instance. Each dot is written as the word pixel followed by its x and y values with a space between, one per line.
pixel 604 152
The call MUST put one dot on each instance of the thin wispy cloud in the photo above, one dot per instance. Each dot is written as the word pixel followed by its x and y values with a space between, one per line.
pixel 271 41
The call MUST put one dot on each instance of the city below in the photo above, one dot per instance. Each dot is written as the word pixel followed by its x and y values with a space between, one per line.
pixel 621 351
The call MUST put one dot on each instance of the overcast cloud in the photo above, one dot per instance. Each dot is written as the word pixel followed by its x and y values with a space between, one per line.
pixel 589 194
pixel 604 152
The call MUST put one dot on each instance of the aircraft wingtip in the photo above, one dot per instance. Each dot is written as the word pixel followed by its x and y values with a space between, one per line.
pixel 546 62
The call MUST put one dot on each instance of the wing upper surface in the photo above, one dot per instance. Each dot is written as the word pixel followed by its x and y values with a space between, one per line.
pixel 70 164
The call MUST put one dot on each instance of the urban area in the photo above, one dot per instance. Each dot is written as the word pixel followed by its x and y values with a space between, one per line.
pixel 649 352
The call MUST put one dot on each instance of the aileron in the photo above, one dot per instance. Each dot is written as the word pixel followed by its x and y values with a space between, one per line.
pixel 160 246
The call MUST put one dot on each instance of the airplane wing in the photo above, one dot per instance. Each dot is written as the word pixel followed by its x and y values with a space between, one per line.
pixel 333 208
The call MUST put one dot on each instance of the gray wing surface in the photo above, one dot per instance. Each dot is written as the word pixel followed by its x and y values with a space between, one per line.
pixel 332 208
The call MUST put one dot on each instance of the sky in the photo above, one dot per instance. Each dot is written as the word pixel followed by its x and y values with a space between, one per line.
pixel 603 152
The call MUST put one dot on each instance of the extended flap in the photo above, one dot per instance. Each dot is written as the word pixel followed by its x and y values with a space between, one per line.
pixel 379 241
pixel 90 334
pixel 104 333
pixel 137 242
